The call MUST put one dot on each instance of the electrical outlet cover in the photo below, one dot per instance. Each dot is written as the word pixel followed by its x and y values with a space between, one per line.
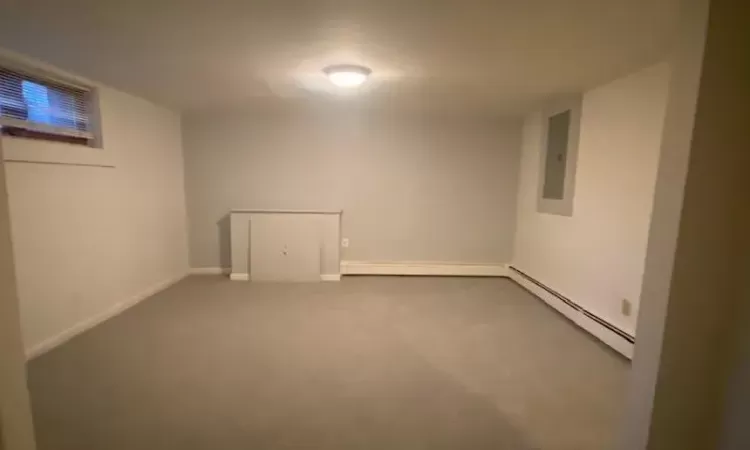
pixel 627 307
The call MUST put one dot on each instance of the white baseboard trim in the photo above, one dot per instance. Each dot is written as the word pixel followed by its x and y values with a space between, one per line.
pixel 330 277
pixel 604 334
pixel 84 325
pixel 210 271
pixel 246 277
pixel 424 268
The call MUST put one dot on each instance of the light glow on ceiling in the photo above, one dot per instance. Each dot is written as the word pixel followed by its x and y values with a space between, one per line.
pixel 347 76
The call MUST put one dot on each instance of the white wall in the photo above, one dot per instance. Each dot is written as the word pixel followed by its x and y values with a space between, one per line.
pixel 412 188
pixel 596 257
pixel 16 430
pixel 89 240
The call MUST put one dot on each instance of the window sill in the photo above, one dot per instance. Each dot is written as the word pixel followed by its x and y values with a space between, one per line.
pixel 17 149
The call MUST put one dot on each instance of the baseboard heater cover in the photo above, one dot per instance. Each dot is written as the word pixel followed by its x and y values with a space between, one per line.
pixel 423 268
pixel 575 306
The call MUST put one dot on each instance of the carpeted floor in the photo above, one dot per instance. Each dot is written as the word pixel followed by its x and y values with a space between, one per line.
pixel 369 363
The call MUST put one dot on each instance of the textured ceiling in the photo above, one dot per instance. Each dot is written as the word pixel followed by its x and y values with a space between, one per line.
pixel 500 55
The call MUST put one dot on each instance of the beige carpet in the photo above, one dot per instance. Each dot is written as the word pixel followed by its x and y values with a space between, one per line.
pixel 369 363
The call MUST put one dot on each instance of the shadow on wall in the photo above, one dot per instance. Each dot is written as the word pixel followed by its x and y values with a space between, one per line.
pixel 225 244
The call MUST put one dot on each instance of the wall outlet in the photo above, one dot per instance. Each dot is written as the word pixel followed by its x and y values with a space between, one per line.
pixel 626 307
pixel 345 242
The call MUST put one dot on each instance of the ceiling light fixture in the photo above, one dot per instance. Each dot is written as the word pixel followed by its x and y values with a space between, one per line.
pixel 347 76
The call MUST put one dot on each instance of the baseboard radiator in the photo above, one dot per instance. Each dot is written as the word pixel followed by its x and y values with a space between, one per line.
pixel 607 332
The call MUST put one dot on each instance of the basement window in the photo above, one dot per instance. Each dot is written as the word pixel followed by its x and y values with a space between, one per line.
pixel 43 108
pixel 559 153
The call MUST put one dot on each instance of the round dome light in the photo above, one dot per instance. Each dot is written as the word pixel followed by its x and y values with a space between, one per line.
pixel 347 76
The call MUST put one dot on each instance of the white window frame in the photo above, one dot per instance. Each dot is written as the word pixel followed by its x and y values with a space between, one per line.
pixel 21 149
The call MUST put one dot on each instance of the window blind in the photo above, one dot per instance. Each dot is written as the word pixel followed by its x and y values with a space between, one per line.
pixel 44 106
